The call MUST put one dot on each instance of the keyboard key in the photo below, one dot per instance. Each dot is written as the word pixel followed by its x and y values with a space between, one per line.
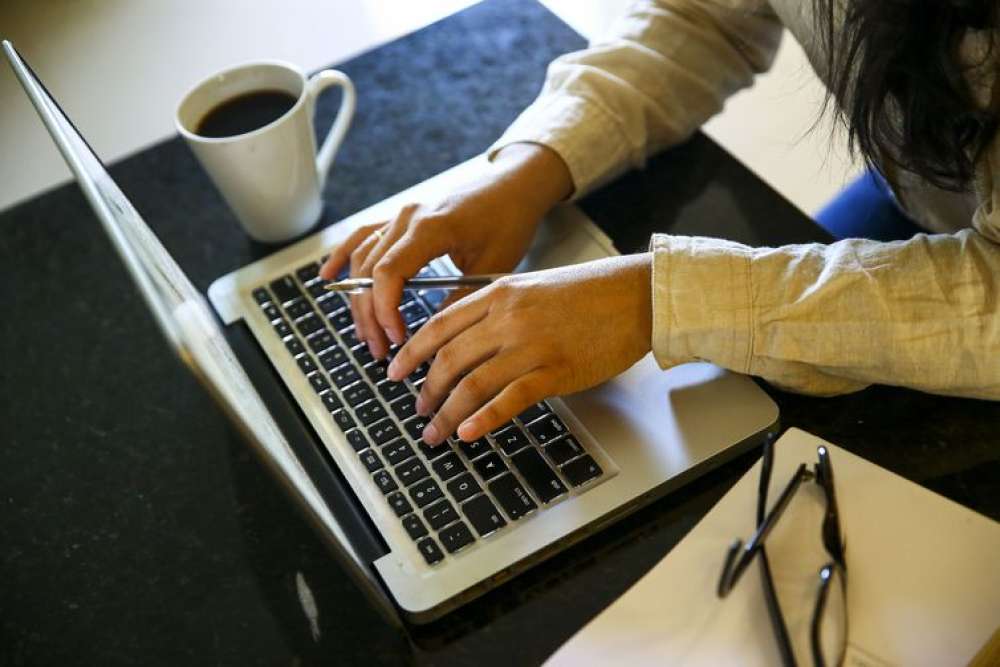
pixel 306 364
pixel 282 328
pixel 308 272
pixel 448 466
pixel 463 487
pixel 415 427
pixel 539 476
pixel 383 432
pixel 489 466
pixel 409 296
pixel 370 459
pixel 414 526
pixel 512 497
pixel 475 449
pixel 511 440
pixel 285 289
pixel 261 296
pixel 384 481
pixel 358 440
pixel 425 492
pixel 370 412
pixel 295 347
pixel 309 324
pixel 362 355
pixel 332 358
pixel 547 429
pixel 500 429
pixel 411 471
pixel 331 401
pixel 397 451
pixel 341 319
pixel 534 412
pixel 564 449
pixel 413 312
pixel 429 548
pixel 318 290
pixel 432 452
pixel 331 303
pixel 357 394
pixel 350 338
pixel 582 470
pixel 455 537
pixel 321 340
pixel 344 375
pixel 298 308
pixel 419 373
pixel 376 371
pixel 318 383
pixel 392 390
pixel 344 420
pixel 440 514
pixel 483 515
pixel 399 504
pixel 405 407
pixel 433 298
pixel 271 312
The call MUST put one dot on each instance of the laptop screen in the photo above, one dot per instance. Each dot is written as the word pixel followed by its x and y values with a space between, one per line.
pixel 182 313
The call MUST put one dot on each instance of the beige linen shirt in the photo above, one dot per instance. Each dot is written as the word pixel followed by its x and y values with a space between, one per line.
pixel 820 319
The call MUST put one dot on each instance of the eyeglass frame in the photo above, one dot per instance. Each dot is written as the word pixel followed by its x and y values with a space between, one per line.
pixel 739 556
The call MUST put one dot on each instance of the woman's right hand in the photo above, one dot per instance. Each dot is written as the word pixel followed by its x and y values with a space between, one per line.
pixel 485 227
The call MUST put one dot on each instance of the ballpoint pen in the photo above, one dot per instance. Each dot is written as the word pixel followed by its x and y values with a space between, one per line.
pixel 357 285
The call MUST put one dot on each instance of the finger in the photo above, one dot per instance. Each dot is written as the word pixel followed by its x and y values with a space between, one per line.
pixel 340 254
pixel 464 352
pixel 473 392
pixel 438 330
pixel 378 342
pixel 361 327
pixel 418 246
pixel 514 399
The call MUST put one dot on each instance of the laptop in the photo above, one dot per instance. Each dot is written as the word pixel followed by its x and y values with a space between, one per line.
pixel 421 530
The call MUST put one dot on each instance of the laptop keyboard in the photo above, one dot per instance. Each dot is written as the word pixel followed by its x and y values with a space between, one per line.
pixel 438 493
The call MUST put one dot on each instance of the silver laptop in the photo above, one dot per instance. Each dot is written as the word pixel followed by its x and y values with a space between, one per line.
pixel 422 530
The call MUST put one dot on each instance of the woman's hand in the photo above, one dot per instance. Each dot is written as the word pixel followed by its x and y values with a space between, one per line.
pixel 485 227
pixel 527 337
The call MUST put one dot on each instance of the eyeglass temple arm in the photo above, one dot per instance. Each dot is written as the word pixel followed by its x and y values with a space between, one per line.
pixel 737 559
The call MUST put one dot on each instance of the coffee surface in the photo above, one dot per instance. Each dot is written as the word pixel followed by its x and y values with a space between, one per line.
pixel 245 113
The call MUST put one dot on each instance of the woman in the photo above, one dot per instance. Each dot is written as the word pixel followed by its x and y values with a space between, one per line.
pixel 913 80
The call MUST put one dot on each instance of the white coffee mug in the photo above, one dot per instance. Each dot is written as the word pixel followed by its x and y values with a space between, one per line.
pixel 272 177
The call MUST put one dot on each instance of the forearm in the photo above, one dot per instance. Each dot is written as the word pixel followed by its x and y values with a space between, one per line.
pixel 657 75
pixel 833 319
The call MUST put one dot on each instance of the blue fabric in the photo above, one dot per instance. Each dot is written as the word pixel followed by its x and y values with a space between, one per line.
pixel 866 209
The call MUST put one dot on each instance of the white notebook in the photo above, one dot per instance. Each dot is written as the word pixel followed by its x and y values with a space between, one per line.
pixel 923 583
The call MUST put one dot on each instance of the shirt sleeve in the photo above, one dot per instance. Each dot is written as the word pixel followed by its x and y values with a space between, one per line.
pixel 830 319
pixel 660 72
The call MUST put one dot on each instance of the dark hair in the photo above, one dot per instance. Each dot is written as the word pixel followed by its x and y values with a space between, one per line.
pixel 894 71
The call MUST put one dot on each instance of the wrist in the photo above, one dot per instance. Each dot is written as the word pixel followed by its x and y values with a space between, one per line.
pixel 537 174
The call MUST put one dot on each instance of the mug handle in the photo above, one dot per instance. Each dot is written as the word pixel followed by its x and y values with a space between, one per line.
pixel 317 83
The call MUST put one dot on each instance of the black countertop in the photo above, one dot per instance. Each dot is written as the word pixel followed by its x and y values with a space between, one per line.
pixel 137 528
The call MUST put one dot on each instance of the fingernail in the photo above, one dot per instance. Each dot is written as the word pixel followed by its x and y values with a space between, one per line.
pixel 393 371
pixel 431 436
pixel 419 406
pixel 466 430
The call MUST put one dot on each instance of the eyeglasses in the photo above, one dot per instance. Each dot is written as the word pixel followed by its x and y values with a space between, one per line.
pixel 828 628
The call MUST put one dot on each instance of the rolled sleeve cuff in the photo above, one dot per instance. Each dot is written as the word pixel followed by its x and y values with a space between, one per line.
pixel 580 131
pixel 702 302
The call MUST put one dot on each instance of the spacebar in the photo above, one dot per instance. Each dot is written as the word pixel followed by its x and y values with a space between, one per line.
pixel 538 474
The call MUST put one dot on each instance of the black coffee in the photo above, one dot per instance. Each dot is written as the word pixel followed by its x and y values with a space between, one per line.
pixel 245 113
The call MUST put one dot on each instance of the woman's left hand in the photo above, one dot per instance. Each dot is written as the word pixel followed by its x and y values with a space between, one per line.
pixel 527 337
